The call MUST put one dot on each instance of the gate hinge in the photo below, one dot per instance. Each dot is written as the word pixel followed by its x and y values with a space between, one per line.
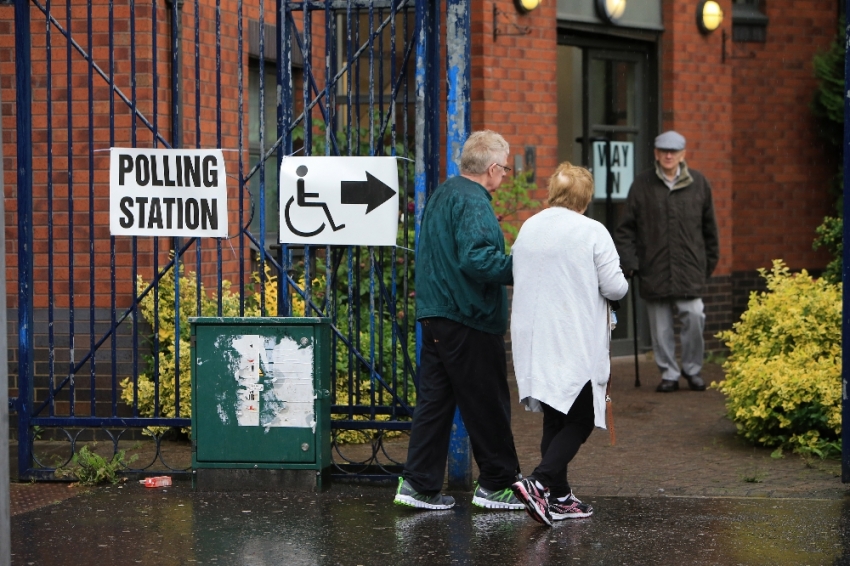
pixel 192 341
pixel 322 393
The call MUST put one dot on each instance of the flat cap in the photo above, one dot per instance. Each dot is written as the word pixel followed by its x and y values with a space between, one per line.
pixel 670 140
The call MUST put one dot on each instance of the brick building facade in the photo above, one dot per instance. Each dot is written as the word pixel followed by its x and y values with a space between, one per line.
pixel 554 81
pixel 741 99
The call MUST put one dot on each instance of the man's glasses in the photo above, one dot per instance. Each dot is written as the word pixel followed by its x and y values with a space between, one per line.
pixel 505 167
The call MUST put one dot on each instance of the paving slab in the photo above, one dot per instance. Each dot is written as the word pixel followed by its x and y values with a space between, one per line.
pixel 679 443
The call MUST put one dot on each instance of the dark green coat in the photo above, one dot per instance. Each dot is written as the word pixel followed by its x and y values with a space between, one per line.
pixel 461 266
pixel 669 236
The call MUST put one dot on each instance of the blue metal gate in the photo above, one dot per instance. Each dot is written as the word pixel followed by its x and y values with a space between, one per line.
pixel 102 339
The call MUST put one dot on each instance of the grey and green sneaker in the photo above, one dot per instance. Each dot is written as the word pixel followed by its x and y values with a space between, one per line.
pixel 406 495
pixel 502 499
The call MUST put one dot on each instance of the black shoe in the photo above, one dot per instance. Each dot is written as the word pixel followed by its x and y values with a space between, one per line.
pixel 667 386
pixel 695 381
pixel 570 507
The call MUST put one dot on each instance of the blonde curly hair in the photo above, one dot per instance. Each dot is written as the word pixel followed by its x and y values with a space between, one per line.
pixel 571 186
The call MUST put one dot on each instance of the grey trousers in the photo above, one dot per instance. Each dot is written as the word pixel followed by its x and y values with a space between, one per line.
pixel 691 335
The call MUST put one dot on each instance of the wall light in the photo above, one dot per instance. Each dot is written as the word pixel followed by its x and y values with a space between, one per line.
pixel 525 6
pixel 709 16
pixel 610 10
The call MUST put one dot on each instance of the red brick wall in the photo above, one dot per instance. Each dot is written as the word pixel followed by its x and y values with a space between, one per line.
pixel 514 81
pixel 697 102
pixel 7 115
pixel 781 168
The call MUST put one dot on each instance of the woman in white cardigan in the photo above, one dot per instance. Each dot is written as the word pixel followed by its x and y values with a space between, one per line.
pixel 566 268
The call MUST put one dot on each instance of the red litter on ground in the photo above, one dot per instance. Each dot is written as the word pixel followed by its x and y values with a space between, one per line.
pixel 159 481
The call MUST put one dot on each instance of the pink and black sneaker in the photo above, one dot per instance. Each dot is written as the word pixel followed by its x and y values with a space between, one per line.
pixel 569 507
pixel 534 497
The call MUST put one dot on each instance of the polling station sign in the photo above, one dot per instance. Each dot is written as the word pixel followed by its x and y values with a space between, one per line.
pixel 622 169
pixel 167 192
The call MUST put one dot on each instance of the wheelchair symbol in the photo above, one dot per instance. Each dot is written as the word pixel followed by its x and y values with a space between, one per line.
pixel 302 201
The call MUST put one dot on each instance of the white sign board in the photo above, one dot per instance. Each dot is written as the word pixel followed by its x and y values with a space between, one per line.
pixel 622 165
pixel 167 192
pixel 351 201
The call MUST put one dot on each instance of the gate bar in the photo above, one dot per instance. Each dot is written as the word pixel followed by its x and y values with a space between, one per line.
pixel 5 499
pixel 845 268
pixel 457 130
pixel 23 106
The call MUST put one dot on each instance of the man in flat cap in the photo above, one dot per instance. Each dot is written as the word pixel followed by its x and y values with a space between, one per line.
pixel 668 238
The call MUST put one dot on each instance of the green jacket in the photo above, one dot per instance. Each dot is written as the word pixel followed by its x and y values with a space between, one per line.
pixel 461 266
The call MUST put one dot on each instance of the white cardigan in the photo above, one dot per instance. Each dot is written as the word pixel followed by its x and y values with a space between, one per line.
pixel 565 267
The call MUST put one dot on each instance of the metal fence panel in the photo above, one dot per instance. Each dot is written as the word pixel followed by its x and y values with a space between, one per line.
pixel 103 320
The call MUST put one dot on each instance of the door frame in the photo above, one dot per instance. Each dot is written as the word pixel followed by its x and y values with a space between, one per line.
pixel 635 45
pixel 609 40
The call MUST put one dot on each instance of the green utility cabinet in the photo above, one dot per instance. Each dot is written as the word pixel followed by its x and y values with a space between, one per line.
pixel 261 403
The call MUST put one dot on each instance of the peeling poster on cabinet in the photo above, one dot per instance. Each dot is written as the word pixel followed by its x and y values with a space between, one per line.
pixel 274 381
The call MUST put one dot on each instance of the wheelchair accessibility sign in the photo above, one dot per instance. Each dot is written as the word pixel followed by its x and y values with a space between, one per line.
pixel 350 201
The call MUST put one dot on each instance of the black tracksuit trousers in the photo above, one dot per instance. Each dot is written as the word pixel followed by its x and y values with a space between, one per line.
pixel 463 367
pixel 563 435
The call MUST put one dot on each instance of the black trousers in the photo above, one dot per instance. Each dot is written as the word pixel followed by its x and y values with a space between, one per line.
pixel 463 367
pixel 563 435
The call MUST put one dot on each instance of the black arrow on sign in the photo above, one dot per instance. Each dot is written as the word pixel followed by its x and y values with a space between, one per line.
pixel 372 192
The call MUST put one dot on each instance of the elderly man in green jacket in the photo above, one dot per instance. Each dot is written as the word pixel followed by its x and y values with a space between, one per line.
pixel 668 238
pixel 461 303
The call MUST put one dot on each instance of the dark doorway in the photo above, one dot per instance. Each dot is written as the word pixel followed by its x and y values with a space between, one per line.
pixel 608 109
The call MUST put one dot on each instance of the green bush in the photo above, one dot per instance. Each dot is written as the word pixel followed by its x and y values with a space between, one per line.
pixel 90 468
pixel 513 197
pixel 830 235
pixel 783 375
pixel 828 103
pixel 828 108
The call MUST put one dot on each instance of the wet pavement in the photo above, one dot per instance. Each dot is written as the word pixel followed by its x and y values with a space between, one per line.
pixel 352 525
pixel 678 487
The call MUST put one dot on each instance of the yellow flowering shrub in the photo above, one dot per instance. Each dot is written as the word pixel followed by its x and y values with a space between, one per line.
pixel 168 346
pixel 383 349
pixel 360 436
pixel 783 377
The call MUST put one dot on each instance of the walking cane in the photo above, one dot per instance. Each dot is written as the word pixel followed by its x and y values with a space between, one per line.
pixel 609 404
pixel 635 331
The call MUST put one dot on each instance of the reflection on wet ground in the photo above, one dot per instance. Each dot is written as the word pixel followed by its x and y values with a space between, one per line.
pixel 352 525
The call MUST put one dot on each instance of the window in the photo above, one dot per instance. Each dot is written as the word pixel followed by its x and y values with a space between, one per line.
pixel 749 23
